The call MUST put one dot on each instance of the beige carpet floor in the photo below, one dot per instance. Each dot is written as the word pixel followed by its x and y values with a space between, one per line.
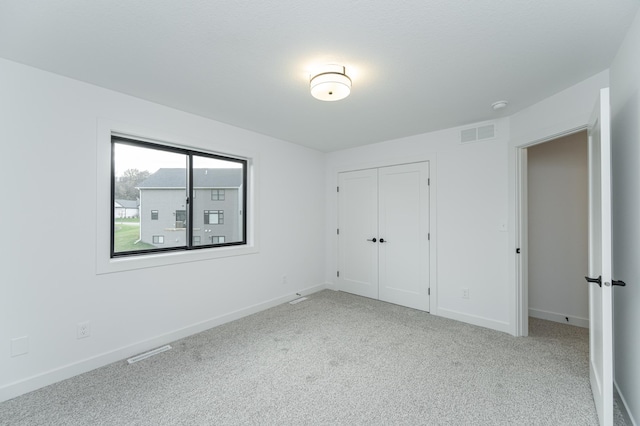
pixel 334 359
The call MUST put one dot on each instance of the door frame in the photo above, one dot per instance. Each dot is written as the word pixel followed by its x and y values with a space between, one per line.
pixel 521 261
pixel 431 159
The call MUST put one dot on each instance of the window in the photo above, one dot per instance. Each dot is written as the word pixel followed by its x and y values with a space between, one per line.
pixel 217 195
pixel 181 218
pixel 181 181
pixel 213 217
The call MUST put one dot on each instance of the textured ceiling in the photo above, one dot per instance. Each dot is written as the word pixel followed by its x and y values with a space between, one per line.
pixel 416 65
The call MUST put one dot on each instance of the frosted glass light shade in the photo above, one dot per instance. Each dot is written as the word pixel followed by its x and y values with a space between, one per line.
pixel 330 84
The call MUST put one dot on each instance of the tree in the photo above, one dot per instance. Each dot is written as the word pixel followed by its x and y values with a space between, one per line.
pixel 126 184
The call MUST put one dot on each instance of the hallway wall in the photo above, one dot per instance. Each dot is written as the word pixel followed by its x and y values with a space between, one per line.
pixel 558 220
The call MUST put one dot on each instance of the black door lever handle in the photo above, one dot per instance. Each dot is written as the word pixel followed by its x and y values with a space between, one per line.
pixel 373 240
pixel 595 280
pixel 620 283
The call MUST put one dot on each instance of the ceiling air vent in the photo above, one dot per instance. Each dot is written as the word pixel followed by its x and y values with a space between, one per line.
pixel 478 133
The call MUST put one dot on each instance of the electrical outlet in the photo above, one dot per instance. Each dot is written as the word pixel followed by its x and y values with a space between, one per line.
pixel 284 279
pixel 465 293
pixel 83 330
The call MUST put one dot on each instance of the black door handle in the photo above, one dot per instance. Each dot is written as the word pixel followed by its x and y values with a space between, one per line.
pixel 595 280
pixel 382 240
pixel 373 240
pixel 620 283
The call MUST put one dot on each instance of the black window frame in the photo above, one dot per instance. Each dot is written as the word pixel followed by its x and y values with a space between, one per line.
pixel 155 214
pixel 159 238
pixel 189 153
pixel 219 214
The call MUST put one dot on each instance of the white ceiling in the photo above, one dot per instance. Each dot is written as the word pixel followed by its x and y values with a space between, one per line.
pixel 416 65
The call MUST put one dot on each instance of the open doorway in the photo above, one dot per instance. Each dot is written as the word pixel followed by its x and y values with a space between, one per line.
pixel 557 230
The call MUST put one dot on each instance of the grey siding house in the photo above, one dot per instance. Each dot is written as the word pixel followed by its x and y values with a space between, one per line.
pixel 125 208
pixel 217 207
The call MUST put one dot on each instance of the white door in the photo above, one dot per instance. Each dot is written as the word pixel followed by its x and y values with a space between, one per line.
pixel 403 229
pixel 383 234
pixel 358 227
pixel 600 285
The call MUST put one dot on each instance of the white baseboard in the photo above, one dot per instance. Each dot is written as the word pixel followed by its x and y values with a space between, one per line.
pixel 475 320
pixel 38 381
pixel 562 318
pixel 331 286
pixel 622 405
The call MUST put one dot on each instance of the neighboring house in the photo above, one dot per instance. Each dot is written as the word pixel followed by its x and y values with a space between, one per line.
pixel 125 208
pixel 217 207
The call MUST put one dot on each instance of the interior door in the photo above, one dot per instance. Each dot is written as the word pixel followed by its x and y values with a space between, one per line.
pixel 358 232
pixel 600 274
pixel 403 230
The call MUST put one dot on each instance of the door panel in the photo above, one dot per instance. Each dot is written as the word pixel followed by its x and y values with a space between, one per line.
pixel 358 222
pixel 600 298
pixel 404 227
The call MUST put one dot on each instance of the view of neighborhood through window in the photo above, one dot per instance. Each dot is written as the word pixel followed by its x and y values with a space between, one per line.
pixel 151 188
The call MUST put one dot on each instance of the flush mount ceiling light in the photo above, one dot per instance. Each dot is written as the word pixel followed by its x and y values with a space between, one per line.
pixel 330 83
pixel 499 105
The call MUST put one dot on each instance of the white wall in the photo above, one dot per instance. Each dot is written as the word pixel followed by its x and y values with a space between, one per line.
pixel 559 114
pixel 469 230
pixel 50 153
pixel 558 220
pixel 625 85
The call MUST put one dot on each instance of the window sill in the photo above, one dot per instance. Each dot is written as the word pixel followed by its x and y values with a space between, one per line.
pixel 171 258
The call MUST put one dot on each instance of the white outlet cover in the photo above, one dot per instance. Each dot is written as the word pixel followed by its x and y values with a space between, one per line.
pixel 20 346
pixel 84 330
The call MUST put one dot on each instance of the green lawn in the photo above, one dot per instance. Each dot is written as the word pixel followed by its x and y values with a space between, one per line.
pixel 126 236
pixel 127 220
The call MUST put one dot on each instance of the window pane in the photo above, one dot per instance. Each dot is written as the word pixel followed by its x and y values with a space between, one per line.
pixel 152 184
pixel 156 180
pixel 218 192
pixel 181 218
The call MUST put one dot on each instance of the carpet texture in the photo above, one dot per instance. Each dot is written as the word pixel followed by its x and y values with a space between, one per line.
pixel 334 359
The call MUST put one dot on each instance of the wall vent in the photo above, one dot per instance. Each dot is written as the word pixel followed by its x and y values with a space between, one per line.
pixel 469 135
pixel 480 133
pixel 486 132
pixel 148 354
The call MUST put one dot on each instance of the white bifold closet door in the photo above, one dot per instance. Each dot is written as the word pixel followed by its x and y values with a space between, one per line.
pixel 383 234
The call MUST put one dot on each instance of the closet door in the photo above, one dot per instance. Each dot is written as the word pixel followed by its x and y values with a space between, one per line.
pixel 383 235
pixel 403 229
pixel 358 229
